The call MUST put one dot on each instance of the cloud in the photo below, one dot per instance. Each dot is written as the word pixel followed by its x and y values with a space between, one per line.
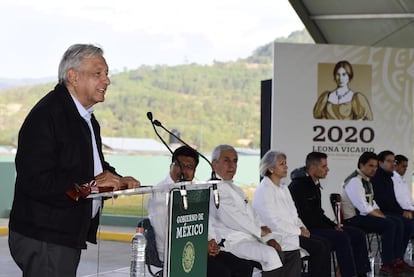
pixel 156 31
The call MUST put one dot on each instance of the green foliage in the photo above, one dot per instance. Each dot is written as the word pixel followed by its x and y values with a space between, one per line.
pixel 208 104
pixel 15 104
pixel 264 54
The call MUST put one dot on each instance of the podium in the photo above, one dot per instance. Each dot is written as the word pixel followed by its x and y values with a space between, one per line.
pixel 187 229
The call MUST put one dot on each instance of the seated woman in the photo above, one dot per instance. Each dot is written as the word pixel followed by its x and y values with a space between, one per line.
pixel 275 206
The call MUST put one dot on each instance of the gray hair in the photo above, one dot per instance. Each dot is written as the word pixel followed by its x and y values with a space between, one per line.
pixel 220 148
pixel 269 160
pixel 73 57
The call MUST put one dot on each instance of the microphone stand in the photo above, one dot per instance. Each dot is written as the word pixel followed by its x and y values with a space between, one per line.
pixel 183 193
pixel 183 190
pixel 213 173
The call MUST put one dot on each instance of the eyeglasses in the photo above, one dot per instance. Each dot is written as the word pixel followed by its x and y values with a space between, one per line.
pixel 184 166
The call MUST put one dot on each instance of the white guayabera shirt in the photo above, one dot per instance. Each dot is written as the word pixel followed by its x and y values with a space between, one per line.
pixel 402 192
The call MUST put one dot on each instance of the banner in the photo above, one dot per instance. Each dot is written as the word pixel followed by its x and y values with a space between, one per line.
pixel 343 101
pixel 189 234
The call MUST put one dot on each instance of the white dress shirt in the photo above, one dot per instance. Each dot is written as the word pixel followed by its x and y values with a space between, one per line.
pixel 275 206
pixel 402 192
pixel 356 194
pixel 97 164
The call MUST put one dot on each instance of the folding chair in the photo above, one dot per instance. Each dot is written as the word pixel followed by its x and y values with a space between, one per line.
pixel 151 253
pixel 336 199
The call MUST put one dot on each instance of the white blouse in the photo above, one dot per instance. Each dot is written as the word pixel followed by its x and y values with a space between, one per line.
pixel 275 207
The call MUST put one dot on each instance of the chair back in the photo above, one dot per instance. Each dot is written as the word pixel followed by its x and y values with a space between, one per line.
pixel 151 253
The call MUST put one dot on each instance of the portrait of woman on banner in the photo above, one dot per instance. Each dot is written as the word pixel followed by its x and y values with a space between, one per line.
pixel 342 103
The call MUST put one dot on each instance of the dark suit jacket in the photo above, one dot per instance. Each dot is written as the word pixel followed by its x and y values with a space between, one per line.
pixel 54 152
pixel 384 194
pixel 307 197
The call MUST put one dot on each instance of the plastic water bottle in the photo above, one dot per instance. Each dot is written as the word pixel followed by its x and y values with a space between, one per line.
pixel 409 252
pixel 371 257
pixel 138 254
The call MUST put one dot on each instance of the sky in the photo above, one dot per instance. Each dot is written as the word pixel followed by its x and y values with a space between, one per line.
pixel 137 32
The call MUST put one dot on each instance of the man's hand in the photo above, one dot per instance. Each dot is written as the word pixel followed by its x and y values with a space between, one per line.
pixel 304 232
pixel 274 244
pixel 129 182
pixel 213 249
pixel 338 228
pixel 408 214
pixel 377 213
pixel 108 179
pixel 265 230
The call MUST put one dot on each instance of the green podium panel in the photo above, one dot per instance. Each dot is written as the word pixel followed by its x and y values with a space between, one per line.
pixel 188 234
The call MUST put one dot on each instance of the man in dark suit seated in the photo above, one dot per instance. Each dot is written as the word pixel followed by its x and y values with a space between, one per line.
pixel 349 243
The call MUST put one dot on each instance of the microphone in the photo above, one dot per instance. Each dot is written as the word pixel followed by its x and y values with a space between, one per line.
pixel 183 190
pixel 149 115
pixel 157 123
pixel 213 172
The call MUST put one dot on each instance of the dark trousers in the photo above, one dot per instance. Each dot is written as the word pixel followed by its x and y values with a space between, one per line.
pixel 274 273
pixel 407 230
pixel 350 248
pixel 390 228
pixel 319 250
pixel 226 264
pixel 38 258
pixel 291 264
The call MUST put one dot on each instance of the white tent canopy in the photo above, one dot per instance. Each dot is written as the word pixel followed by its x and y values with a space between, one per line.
pixel 378 23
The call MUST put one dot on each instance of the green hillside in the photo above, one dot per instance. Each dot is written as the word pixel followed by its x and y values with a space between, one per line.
pixel 207 104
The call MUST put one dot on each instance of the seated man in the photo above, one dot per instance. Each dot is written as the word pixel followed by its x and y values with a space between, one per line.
pixel 349 243
pixel 384 194
pixel 219 263
pixel 401 187
pixel 360 210
pixel 245 235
